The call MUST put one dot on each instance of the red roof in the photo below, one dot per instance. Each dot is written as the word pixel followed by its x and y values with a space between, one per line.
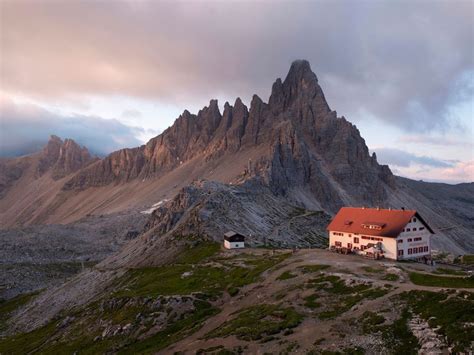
pixel 373 221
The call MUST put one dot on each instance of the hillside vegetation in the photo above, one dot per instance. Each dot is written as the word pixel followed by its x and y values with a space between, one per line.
pixel 212 301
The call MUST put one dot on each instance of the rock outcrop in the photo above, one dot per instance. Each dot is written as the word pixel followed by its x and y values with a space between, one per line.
pixel 304 144
pixel 62 158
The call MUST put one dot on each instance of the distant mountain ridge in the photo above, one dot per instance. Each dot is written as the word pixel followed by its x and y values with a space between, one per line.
pixel 294 145
pixel 59 158
pixel 303 141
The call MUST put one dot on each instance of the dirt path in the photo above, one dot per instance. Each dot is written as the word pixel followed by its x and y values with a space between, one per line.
pixel 311 328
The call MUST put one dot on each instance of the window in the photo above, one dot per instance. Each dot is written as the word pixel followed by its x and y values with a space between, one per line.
pixel 356 240
pixel 410 240
pixel 400 253
pixel 414 219
pixel 403 230
pixel 421 228
pixel 372 238
pixel 415 250
pixel 408 229
pixel 400 241
pixel 417 239
pixel 337 233
pixel 373 226
pixel 426 249
pixel 338 244
pixel 414 229
pixel 410 251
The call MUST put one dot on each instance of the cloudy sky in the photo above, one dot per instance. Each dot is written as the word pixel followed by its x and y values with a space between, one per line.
pixel 113 74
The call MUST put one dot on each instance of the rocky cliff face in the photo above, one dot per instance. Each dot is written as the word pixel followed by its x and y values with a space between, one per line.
pixel 62 157
pixel 305 145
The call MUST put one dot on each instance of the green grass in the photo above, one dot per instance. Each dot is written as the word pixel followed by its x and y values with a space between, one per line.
pixel 257 322
pixel 297 211
pixel 445 271
pixel 196 254
pixel 84 343
pixel 398 337
pixel 467 259
pixel 27 342
pixel 342 297
pixel 132 296
pixel 371 322
pixel 174 332
pixel 451 313
pixel 313 268
pixel 346 351
pixel 220 350
pixel 198 271
pixel 441 281
pixel 286 276
pixel 183 279
pixel 372 270
pixel 7 307
pixel 310 302
pixel 391 277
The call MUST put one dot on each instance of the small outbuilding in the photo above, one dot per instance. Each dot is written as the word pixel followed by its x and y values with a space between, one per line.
pixel 234 240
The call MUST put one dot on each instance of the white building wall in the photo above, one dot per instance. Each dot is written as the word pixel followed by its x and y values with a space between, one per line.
pixel 390 246
pixel 409 243
pixel 233 245
pixel 353 240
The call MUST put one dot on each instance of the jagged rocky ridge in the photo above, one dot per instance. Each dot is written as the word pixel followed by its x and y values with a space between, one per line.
pixel 63 158
pixel 60 158
pixel 306 146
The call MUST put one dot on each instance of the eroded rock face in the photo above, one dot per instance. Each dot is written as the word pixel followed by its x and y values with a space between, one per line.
pixel 207 208
pixel 63 158
pixel 305 145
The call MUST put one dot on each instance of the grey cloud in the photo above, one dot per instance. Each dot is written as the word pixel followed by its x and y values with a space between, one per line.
pixel 437 140
pixel 403 62
pixel 405 159
pixel 26 128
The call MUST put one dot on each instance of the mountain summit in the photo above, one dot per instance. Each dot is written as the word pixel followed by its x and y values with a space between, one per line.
pixel 63 158
pixel 266 158
pixel 294 142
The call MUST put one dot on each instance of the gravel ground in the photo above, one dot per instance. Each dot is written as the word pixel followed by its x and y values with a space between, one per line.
pixel 41 256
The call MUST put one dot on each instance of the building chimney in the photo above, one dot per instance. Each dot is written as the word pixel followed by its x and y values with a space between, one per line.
pixel 403 208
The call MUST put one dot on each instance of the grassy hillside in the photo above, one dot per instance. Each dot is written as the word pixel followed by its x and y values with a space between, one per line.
pixel 213 301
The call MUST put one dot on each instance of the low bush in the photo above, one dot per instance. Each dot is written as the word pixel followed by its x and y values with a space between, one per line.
pixel 257 322
pixel 441 281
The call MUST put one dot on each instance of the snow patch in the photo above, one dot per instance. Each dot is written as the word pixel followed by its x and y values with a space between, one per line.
pixel 154 207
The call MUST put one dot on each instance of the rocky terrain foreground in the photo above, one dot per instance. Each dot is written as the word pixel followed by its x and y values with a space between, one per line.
pixel 215 301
